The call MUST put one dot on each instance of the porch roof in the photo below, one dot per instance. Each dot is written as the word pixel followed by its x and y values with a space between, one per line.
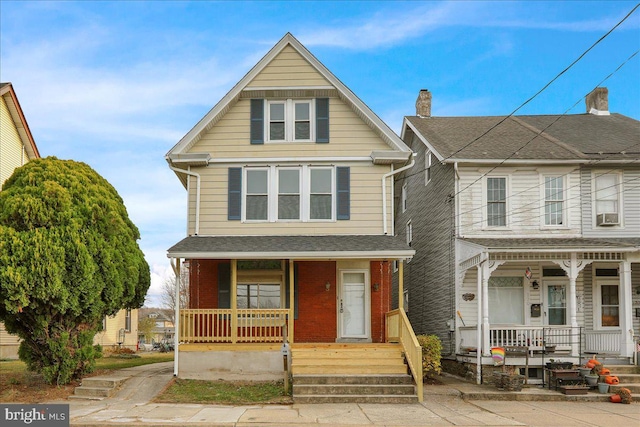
pixel 629 244
pixel 291 247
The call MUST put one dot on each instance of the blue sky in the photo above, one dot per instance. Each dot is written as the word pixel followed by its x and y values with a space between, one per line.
pixel 117 84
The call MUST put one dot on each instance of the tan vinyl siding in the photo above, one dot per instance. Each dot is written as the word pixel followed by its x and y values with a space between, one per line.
pixel 288 69
pixel 12 153
pixel 366 207
pixel 109 336
pixel 348 136
pixel 525 201
pixel 8 344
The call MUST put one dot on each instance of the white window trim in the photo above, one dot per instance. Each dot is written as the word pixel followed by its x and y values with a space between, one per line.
pixel 565 198
pixel 404 197
pixel 273 192
pixel 428 162
pixel 289 120
pixel 598 282
pixel 594 208
pixel 485 203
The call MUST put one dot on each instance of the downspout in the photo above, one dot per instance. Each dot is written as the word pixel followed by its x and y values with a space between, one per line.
pixel 384 190
pixel 176 323
pixel 190 173
pixel 455 197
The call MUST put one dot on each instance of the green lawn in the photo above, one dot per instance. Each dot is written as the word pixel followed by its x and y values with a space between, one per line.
pixel 225 392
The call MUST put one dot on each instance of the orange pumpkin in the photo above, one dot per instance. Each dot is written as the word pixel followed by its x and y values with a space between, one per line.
pixel 605 371
pixel 589 365
pixel 610 379
pixel 615 398
pixel 594 361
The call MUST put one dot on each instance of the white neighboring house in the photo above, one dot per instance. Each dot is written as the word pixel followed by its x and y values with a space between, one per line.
pixel 526 235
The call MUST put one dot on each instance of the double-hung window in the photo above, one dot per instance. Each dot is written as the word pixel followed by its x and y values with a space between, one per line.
pixel 427 167
pixel 321 194
pixel 496 202
pixel 553 200
pixel 257 194
pixel 607 199
pixel 404 198
pixel 289 193
pixel 259 295
pixel 506 300
pixel 290 121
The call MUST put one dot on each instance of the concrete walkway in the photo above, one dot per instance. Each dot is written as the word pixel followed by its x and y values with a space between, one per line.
pixel 444 405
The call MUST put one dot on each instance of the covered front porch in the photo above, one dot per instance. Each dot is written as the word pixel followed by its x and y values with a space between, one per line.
pixel 560 298
pixel 249 295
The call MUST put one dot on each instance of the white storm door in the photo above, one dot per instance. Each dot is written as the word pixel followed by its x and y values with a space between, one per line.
pixel 555 303
pixel 354 305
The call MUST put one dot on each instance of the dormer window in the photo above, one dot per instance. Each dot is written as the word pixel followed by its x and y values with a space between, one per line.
pixel 289 120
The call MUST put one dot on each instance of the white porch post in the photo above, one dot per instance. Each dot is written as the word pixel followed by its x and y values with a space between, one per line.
pixel 401 284
pixel 479 325
pixel 626 319
pixel 488 267
pixel 572 268
pixel 175 264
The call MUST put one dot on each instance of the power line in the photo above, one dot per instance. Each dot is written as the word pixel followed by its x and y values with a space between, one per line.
pixel 548 84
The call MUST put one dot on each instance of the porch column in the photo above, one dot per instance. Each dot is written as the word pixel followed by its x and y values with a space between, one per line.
pixel 626 319
pixel 572 269
pixel 291 302
pixel 176 308
pixel 488 267
pixel 401 284
pixel 479 305
pixel 234 301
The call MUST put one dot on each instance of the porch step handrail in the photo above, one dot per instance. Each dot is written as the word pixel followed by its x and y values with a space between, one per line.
pixel 399 330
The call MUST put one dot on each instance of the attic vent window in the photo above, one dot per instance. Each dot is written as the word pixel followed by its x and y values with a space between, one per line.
pixel 290 120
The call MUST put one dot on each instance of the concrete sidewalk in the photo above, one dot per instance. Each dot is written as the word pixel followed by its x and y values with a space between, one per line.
pixel 444 405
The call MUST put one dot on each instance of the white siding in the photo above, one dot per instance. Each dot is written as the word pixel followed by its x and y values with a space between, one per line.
pixel 525 202
pixel 11 148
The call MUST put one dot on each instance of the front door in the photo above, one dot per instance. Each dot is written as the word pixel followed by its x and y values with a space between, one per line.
pixel 353 305
pixel 555 310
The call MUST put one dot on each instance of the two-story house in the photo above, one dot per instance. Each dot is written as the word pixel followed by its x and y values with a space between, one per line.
pixel 526 231
pixel 17 147
pixel 290 229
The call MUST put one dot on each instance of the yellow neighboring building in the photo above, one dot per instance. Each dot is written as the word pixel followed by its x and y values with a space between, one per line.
pixel 120 330
pixel 17 147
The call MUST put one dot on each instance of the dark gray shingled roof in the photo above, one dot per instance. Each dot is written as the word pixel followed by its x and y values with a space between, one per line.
pixel 341 246
pixel 557 243
pixel 571 137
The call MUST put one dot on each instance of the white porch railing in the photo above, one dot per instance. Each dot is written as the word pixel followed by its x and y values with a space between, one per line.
pixel 534 337
pixel 603 341
pixel 215 325
pixel 399 330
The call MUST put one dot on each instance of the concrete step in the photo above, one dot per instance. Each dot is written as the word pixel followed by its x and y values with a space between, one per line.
pixel 370 361
pixel 354 379
pixel 634 388
pixel 353 389
pixel 97 388
pixel 623 369
pixel 356 399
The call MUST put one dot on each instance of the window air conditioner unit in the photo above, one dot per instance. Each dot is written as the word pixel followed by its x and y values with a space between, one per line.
pixel 607 219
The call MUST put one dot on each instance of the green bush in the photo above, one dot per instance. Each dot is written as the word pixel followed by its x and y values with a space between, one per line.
pixel 431 353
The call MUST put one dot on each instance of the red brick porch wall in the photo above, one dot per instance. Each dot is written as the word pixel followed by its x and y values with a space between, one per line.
pixel 380 299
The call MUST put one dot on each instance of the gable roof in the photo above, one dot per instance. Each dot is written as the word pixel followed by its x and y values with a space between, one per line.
pixel 361 109
pixel 19 120
pixel 578 138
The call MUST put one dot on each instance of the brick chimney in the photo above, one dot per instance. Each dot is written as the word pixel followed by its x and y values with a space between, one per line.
pixel 598 102
pixel 423 103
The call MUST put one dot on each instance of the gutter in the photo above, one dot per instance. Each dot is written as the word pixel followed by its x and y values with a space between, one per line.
pixel 190 173
pixel 384 190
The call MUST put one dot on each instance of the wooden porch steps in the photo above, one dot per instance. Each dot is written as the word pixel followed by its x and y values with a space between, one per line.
pixel 351 373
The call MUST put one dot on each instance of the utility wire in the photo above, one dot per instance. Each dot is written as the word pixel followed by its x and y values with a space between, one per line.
pixel 548 84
